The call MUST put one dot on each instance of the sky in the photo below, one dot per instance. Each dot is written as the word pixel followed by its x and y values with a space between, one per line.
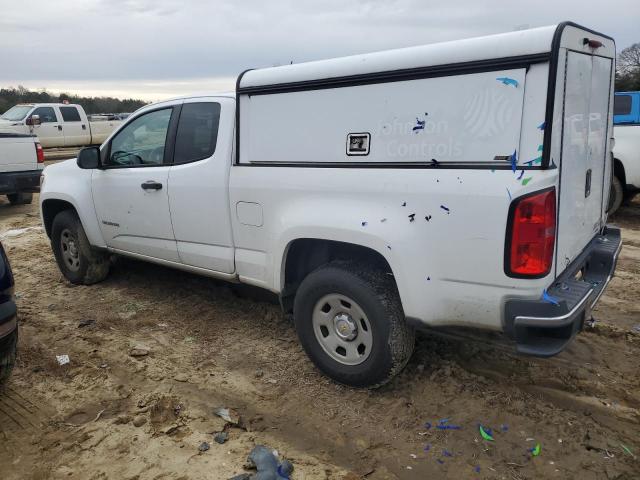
pixel 156 49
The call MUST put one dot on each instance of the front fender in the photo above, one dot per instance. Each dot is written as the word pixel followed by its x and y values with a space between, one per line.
pixel 66 182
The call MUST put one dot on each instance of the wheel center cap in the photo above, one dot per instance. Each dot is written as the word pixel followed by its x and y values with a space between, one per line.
pixel 346 328
pixel 72 248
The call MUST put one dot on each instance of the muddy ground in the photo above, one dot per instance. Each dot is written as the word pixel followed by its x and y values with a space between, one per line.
pixel 210 345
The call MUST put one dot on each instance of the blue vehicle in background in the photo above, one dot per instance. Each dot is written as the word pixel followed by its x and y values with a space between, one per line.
pixel 8 320
pixel 626 108
pixel 626 151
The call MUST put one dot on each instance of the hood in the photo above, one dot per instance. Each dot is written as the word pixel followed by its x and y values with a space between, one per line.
pixel 12 125
pixel 62 167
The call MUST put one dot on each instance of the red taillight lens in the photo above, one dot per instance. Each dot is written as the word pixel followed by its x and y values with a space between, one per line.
pixel 533 235
pixel 39 153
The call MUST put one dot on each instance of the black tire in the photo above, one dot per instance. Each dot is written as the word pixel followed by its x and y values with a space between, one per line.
pixel 616 196
pixel 20 198
pixel 8 348
pixel 89 265
pixel 375 293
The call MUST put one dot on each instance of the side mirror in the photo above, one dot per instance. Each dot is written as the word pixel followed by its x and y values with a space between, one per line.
pixel 33 120
pixel 89 158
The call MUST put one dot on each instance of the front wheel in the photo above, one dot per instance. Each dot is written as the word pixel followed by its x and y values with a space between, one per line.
pixel 350 322
pixel 78 261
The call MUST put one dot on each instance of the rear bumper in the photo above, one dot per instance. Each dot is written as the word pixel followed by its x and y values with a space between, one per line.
pixel 15 182
pixel 544 328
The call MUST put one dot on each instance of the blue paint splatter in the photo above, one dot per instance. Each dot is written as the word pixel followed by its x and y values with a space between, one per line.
pixel 441 462
pixel 514 161
pixel 427 447
pixel 548 298
pixel 447 453
pixel 521 174
pixel 419 125
pixel 509 193
pixel 504 427
pixel 445 209
pixel 448 427
pixel 508 81
pixel 477 469
pixel 541 126
pixel 427 425
pixel 444 420
pixel 364 224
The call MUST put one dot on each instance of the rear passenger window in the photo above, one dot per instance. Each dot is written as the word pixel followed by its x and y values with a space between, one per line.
pixel 622 105
pixel 197 132
pixel 70 114
pixel 46 114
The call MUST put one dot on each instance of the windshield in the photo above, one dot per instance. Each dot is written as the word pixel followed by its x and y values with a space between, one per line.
pixel 17 113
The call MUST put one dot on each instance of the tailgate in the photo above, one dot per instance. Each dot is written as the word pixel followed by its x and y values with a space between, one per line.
pixel 17 152
pixel 582 192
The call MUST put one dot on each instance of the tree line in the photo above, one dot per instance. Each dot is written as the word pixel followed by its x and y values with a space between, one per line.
pixel 11 96
pixel 628 69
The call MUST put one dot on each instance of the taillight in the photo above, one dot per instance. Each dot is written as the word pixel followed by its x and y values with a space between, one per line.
pixel 39 153
pixel 531 235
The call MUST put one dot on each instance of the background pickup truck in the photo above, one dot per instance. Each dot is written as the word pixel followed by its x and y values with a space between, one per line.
pixel 432 186
pixel 21 164
pixel 626 149
pixel 57 124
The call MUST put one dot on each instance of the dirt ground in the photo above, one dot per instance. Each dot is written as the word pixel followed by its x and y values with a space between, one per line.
pixel 110 415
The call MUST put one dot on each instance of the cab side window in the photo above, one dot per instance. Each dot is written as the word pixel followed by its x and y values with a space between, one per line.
pixel 142 142
pixel 70 114
pixel 46 114
pixel 197 133
pixel 622 105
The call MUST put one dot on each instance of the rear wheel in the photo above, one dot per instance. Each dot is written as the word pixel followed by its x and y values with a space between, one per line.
pixel 20 198
pixel 78 261
pixel 616 196
pixel 8 347
pixel 350 322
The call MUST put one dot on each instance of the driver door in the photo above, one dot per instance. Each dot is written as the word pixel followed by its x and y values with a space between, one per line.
pixel 130 191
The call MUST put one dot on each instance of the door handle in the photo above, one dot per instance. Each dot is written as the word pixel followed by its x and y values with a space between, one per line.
pixel 151 185
pixel 60 127
pixel 84 127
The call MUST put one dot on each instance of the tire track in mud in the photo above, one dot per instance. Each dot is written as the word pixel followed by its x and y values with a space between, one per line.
pixel 19 417
pixel 18 411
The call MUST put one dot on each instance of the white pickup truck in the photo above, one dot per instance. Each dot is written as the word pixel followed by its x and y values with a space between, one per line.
pixel 376 194
pixel 21 164
pixel 57 124
pixel 626 150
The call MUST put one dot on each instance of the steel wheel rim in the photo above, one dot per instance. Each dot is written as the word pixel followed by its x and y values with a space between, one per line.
pixel 342 329
pixel 69 250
